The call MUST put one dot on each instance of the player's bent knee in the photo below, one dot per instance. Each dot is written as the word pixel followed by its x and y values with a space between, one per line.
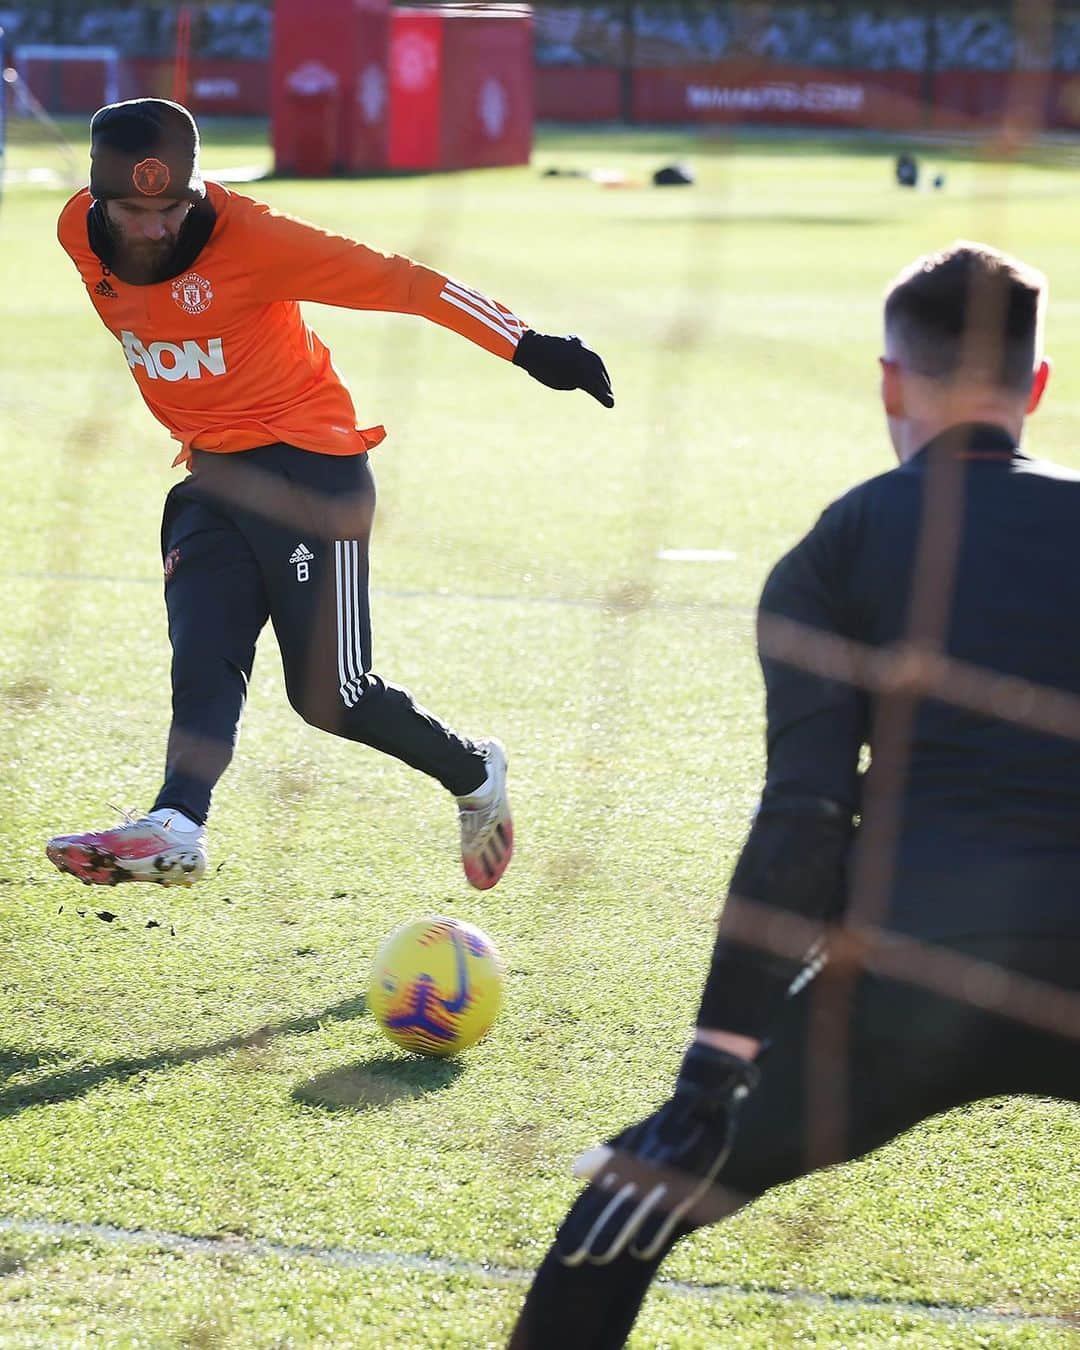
pixel 325 709
pixel 322 713
pixel 348 708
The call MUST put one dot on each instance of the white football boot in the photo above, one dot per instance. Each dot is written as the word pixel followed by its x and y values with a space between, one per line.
pixel 487 829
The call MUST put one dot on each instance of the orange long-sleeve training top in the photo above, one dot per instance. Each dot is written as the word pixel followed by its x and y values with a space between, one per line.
pixel 221 353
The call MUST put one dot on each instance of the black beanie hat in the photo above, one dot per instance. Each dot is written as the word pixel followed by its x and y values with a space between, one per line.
pixel 145 147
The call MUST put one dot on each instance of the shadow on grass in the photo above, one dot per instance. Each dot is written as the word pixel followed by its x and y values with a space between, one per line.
pixel 375 1083
pixel 69 1084
pixel 14 1061
pixel 11 1263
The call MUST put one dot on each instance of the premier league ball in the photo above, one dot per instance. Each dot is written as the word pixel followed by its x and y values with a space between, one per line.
pixel 436 985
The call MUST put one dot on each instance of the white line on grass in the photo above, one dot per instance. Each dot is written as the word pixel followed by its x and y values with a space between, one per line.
pixel 696 555
pixel 346 1259
pixel 558 601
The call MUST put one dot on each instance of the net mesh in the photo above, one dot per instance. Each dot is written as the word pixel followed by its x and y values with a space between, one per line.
pixel 1035 43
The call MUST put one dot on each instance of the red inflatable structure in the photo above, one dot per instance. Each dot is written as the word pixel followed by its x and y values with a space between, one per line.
pixel 362 87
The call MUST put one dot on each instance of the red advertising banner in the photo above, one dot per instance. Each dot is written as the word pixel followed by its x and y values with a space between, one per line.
pixel 962 100
pixel 229 88
pixel 1065 102
pixel 217 87
pixel 578 93
pixel 734 92
pixel 483 88
pixel 1015 103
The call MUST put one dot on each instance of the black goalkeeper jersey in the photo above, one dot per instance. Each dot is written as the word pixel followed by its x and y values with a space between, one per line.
pixel 989 838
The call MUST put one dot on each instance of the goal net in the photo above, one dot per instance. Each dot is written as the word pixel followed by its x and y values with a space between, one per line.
pixel 46 85
pixel 68 79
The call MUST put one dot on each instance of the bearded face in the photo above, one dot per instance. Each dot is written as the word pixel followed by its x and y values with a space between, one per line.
pixel 145 234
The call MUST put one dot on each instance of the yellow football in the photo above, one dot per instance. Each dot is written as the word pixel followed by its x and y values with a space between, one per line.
pixel 436 985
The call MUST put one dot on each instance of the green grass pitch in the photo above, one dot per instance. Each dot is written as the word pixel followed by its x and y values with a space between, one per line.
pixel 217 1076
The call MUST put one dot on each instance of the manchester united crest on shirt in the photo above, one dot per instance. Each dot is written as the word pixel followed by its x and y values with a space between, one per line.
pixel 192 293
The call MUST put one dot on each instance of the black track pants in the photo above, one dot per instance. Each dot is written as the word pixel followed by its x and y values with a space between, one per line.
pixel 902 1054
pixel 283 534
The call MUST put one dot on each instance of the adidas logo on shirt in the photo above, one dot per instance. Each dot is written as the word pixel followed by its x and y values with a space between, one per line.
pixel 301 553
pixel 106 289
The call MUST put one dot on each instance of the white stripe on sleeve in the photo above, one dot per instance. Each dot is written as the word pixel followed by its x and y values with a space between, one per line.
pixel 481 302
pixel 499 328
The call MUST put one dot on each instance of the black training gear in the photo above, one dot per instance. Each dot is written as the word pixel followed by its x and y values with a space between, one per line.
pixel 564 363
pixel 663 1168
pixel 282 534
pixel 795 862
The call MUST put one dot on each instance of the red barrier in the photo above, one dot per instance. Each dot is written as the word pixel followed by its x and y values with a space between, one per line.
pixel 367 140
pixel 487 106
pixel 357 86
pixel 461 89
pixel 738 93
pixel 1016 102
pixel 969 96
pixel 578 93
pixel 330 54
pixel 1026 101
pixel 727 93
pixel 216 87
pixel 416 67
pixel 962 99
pixel 1064 99
pixel 68 87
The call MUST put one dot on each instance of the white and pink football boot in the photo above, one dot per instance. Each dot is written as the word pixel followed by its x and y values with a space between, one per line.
pixel 487 830
pixel 139 850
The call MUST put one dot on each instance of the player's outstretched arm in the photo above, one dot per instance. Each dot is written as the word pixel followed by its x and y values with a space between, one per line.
pixel 564 363
pixel 294 260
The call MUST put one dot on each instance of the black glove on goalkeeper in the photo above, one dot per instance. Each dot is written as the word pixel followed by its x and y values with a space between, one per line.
pixel 564 363
pixel 647 1181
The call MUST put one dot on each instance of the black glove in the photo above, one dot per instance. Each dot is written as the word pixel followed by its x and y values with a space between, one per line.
pixel 649 1178
pixel 564 363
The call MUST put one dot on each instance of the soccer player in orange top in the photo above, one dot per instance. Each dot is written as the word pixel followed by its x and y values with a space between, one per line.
pixel 201 287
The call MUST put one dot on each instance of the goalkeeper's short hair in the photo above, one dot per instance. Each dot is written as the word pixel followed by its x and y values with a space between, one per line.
pixel 969 312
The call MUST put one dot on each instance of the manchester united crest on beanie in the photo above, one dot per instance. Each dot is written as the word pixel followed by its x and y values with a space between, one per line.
pixel 145 147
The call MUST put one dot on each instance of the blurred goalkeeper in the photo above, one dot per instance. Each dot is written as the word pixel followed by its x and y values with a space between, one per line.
pixel 864 980
pixel 200 286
